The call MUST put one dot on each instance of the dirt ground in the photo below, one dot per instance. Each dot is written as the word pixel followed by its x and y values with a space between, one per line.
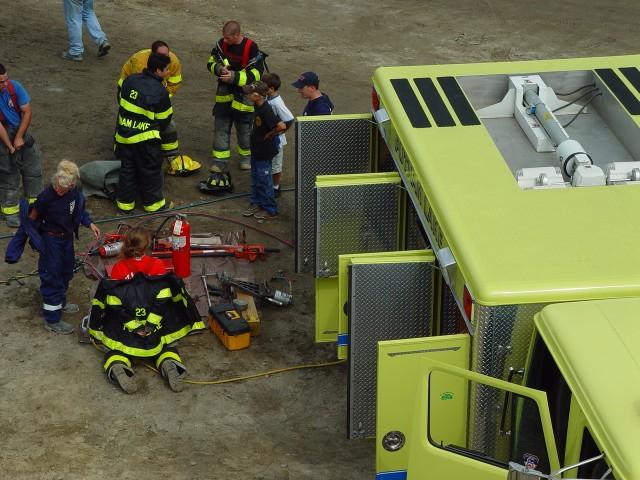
pixel 60 418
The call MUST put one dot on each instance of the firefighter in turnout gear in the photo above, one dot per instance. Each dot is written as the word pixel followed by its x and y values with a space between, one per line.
pixel 145 111
pixel 142 317
pixel 20 157
pixel 236 61
pixel 172 82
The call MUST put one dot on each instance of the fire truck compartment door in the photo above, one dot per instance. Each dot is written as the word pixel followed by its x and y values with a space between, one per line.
pixel 326 145
pixel 356 214
pixel 397 388
pixel 390 297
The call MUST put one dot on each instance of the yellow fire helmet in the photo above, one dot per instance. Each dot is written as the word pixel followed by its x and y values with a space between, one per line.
pixel 182 165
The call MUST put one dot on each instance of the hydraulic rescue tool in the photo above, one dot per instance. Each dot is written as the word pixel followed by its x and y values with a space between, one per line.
pixel 261 291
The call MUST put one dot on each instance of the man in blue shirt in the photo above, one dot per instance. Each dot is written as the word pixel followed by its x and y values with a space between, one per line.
pixel 308 87
pixel 23 158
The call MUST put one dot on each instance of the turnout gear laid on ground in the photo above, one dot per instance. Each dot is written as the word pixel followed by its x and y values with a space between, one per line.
pixel 145 111
pixel 232 107
pixel 141 317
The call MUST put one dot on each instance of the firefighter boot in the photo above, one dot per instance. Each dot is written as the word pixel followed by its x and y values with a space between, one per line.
pixel 175 373
pixel 123 376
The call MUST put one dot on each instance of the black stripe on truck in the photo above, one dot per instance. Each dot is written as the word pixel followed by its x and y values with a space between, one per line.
pixel 410 103
pixel 465 112
pixel 434 101
pixel 620 90
pixel 633 75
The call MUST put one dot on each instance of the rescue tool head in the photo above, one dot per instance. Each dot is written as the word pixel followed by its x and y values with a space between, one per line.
pixel 307 79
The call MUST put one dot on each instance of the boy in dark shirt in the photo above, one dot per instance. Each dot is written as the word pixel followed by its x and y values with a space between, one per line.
pixel 264 146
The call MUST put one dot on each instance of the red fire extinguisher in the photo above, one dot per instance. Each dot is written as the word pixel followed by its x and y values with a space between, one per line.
pixel 181 246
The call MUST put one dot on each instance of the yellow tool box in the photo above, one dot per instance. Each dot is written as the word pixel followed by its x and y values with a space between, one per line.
pixel 229 326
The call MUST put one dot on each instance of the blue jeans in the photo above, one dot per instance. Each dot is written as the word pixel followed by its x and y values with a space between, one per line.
pixel 76 13
pixel 262 186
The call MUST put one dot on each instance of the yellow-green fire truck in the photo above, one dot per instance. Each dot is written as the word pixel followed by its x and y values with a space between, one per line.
pixel 468 200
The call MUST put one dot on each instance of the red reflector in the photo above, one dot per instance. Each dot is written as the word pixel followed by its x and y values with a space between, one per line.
pixel 467 302
pixel 375 101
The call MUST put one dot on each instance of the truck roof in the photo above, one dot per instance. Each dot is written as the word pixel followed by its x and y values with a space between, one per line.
pixel 595 345
pixel 514 245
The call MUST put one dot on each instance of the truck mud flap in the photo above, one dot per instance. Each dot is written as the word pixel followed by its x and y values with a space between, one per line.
pixel 390 297
pixel 326 145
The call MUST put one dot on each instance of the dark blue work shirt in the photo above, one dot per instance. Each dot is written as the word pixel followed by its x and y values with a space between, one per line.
pixel 58 212
pixel 318 106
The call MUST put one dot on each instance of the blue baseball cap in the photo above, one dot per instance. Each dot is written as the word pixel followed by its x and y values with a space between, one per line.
pixel 307 78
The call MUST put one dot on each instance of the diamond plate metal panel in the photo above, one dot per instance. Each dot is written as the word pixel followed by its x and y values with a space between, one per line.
pixel 327 147
pixel 415 238
pixel 501 341
pixel 354 219
pixel 451 319
pixel 387 302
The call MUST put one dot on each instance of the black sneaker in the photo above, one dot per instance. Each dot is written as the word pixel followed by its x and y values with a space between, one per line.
pixel 276 192
pixel 104 48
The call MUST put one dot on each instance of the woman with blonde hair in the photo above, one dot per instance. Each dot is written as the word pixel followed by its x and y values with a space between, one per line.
pixel 60 210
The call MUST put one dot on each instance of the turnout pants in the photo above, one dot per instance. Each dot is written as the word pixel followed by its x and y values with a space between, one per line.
pixel 116 356
pixel 140 172
pixel 55 268
pixel 26 162
pixel 224 118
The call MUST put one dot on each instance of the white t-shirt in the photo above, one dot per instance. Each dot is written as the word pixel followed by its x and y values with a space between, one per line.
pixel 283 113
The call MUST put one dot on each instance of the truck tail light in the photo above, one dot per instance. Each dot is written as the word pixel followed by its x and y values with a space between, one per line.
pixel 467 302
pixel 375 101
